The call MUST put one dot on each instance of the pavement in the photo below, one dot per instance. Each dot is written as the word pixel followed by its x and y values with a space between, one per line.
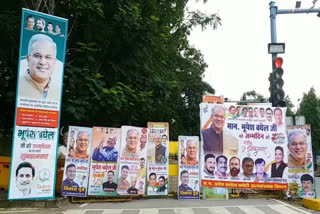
pixel 240 205
pixel 173 206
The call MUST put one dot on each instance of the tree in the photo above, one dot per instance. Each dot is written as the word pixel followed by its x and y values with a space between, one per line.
pixel 127 62
pixel 253 96
pixel 290 106
pixel 310 109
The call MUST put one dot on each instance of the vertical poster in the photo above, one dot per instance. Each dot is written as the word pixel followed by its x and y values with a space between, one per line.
pixel 132 167
pixel 158 158
pixel 77 163
pixel 41 66
pixel 105 152
pixel 300 162
pixel 38 100
pixel 33 163
pixel 188 161
pixel 243 146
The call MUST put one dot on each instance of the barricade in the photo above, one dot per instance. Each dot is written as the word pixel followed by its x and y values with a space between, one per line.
pixel 173 181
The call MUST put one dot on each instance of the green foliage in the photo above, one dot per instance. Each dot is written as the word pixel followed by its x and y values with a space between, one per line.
pixel 253 96
pixel 310 109
pixel 127 62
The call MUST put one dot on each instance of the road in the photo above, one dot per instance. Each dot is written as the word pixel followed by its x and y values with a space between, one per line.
pixel 173 206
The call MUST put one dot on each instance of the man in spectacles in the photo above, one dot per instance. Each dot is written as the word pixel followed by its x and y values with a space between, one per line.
pixel 213 136
pixel 297 144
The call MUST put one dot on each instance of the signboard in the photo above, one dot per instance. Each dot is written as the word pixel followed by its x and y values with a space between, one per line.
pixel 41 65
pixel 158 159
pixel 300 162
pixel 77 163
pixel 188 160
pixel 132 167
pixel 243 147
pixel 33 163
pixel 39 88
pixel 103 179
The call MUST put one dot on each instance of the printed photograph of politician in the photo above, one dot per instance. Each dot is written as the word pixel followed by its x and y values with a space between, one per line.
pixel 188 160
pixel 300 162
pixel 43 25
pixel 240 145
pixel 80 147
pixel 132 162
pixel 129 183
pixel 41 58
pixel 105 144
pixel 157 184
pixel 77 174
pixel 41 72
pixel 33 163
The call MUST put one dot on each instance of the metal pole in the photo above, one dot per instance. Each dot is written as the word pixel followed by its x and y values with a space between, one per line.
pixel 273 14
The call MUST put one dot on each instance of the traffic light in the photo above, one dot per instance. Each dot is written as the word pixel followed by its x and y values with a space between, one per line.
pixel 277 84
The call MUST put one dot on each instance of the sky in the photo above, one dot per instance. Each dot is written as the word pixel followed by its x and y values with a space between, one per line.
pixel 237 53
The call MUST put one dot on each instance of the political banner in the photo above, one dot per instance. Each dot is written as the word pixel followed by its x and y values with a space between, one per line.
pixel 132 162
pixel 243 147
pixel 300 162
pixel 103 179
pixel 40 70
pixel 188 161
pixel 33 163
pixel 158 156
pixel 39 88
pixel 77 163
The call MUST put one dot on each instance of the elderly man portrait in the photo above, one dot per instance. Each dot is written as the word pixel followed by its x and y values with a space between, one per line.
pixel 209 164
pixel 192 151
pixel 25 173
pixel 297 144
pixel 213 136
pixel 82 144
pixel 160 149
pixel 247 167
pixel 41 72
pixel 106 150
pixel 131 148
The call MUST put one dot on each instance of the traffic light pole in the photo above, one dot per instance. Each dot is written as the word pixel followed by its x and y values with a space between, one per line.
pixel 273 13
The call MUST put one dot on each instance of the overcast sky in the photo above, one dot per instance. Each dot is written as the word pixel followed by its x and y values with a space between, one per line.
pixel 237 54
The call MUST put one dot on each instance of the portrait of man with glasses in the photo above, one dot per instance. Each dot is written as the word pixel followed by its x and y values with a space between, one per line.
pixel 297 144
pixel 213 136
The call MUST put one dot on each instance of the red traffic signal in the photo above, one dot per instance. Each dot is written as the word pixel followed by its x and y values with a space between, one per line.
pixel 278 62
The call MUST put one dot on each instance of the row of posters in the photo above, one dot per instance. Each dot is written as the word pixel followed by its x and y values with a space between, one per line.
pixel 38 104
pixel 113 161
pixel 250 147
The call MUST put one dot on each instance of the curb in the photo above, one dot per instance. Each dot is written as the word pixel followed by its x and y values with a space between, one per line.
pixel 311 203
pixel 51 203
